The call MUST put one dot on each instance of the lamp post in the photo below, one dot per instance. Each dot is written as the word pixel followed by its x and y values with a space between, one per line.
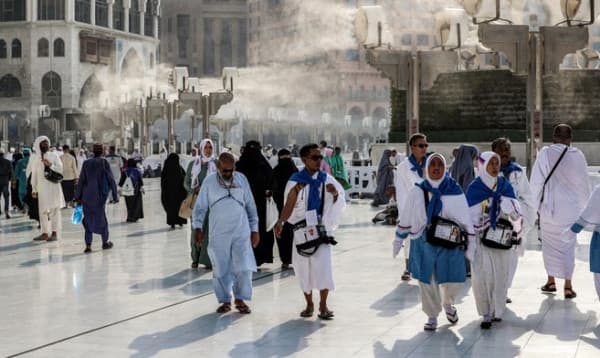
pixel 536 53
pixel 412 71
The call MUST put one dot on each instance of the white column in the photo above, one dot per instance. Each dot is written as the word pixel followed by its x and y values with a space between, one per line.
pixel 110 13
pixel 142 13
pixel 69 11
pixel 126 7
pixel 155 24
pixel 93 12
pixel 31 10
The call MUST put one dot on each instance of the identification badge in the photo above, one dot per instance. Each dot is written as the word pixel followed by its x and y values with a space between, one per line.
pixel 312 232
pixel 311 218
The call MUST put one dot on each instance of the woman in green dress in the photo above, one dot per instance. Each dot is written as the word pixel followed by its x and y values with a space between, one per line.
pixel 203 165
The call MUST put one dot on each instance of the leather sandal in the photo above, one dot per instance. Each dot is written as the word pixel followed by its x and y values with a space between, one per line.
pixel 549 287
pixel 224 308
pixel 308 312
pixel 571 294
pixel 325 315
pixel 243 308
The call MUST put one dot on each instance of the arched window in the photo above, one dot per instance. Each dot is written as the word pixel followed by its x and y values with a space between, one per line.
pixel 51 90
pixel 3 53
pixel 10 86
pixel 59 48
pixel 16 49
pixel 43 47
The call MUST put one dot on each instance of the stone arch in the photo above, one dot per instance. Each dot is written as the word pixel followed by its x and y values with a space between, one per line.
pixel 10 86
pixel 379 113
pixel 52 90
pixel 356 116
pixel 132 65
pixel 90 92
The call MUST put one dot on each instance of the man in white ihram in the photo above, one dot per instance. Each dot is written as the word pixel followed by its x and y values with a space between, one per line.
pixel 561 187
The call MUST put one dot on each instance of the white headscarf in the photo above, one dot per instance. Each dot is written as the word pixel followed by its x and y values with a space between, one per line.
pixel 37 152
pixel 202 159
pixel 484 161
pixel 434 183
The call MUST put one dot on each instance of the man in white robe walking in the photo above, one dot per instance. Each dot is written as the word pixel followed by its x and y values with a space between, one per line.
pixel 49 194
pixel 408 173
pixel 559 200
pixel 305 210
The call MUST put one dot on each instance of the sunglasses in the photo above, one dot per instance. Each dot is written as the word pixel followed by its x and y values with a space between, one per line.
pixel 226 171
pixel 421 145
pixel 316 157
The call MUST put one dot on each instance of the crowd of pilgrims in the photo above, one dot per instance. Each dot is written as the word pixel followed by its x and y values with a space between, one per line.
pixel 470 220
pixel 473 220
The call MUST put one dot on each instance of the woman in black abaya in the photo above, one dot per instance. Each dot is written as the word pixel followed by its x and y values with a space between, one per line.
pixel 172 192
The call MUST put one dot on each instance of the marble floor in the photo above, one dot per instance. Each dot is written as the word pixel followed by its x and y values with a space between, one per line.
pixel 141 299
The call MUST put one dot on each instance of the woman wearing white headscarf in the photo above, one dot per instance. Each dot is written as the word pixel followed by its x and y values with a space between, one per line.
pixel 491 198
pixel 198 169
pixel 440 268
pixel 49 194
pixel 590 220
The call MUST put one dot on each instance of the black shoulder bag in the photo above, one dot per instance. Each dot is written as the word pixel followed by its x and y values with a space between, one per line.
pixel 442 232
pixel 51 175
pixel 309 248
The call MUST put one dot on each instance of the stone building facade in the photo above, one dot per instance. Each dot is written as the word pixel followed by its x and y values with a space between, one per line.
pixel 204 35
pixel 70 55
pixel 358 96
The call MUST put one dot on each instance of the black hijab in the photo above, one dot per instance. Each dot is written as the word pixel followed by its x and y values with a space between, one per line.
pixel 281 174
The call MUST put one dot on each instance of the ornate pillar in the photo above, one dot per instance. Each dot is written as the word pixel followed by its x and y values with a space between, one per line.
pixel 69 11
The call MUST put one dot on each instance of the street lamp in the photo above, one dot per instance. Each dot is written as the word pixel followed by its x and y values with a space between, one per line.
pixel 410 71
pixel 536 54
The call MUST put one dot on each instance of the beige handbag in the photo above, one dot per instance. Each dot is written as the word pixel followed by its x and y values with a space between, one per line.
pixel 187 205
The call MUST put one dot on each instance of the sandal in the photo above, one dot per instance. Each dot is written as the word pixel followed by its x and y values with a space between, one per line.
pixel 549 287
pixel 406 276
pixel 430 325
pixel 452 316
pixel 224 308
pixel 571 294
pixel 325 315
pixel 243 308
pixel 307 312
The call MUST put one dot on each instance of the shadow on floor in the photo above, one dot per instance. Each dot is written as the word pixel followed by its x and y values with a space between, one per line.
pixel 20 245
pixel 150 232
pixel 196 330
pixel 401 297
pixel 176 279
pixel 280 341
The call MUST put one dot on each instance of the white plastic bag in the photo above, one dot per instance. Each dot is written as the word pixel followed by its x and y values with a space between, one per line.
pixel 128 189
pixel 272 214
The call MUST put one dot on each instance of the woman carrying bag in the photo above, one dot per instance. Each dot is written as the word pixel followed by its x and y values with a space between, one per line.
pixel 196 172
pixel 131 185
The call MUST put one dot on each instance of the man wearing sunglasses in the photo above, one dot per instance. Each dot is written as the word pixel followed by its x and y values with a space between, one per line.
pixel 313 206
pixel 408 173
pixel 233 232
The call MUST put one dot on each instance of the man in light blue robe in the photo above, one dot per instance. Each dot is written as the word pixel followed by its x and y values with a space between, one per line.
pixel 233 231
